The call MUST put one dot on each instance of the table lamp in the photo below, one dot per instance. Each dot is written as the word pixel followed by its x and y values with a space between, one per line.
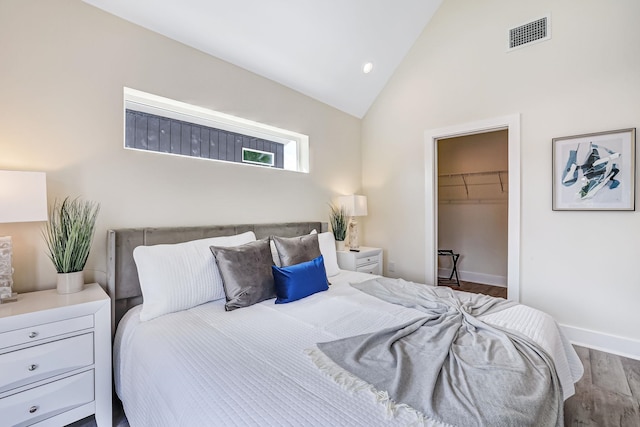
pixel 23 198
pixel 354 205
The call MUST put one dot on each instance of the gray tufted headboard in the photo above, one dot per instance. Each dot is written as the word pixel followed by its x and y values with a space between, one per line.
pixel 122 276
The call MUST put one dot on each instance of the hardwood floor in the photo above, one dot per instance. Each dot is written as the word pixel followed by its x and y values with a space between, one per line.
pixel 608 394
pixel 494 291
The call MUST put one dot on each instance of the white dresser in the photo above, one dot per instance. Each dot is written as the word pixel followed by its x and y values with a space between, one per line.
pixel 368 260
pixel 55 358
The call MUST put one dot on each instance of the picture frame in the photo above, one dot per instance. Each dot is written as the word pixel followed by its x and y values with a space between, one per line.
pixel 594 171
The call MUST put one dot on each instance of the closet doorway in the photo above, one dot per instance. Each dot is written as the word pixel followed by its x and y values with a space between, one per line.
pixel 511 124
pixel 473 184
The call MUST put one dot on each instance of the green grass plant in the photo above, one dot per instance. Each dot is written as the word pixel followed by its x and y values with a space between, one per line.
pixel 338 220
pixel 69 233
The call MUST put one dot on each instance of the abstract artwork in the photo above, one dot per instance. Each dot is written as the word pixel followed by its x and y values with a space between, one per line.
pixel 594 171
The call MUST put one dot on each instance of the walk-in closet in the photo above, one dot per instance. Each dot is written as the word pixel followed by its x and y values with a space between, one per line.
pixel 473 199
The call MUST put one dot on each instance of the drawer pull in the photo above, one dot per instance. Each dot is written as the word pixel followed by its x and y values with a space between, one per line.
pixel 33 409
pixel 33 367
pixel 33 334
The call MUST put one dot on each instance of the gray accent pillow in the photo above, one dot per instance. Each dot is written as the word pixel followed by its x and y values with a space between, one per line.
pixel 246 273
pixel 294 250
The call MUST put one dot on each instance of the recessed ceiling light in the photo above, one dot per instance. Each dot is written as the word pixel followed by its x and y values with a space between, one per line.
pixel 367 68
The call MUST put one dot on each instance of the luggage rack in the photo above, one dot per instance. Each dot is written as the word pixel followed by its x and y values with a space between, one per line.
pixel 454 270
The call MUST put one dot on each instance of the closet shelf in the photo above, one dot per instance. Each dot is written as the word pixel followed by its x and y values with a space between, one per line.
pixel 488 173
pixel 487 179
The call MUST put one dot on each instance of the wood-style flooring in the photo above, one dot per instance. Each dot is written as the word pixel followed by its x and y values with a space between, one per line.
pixel 608 394
pixel 494 291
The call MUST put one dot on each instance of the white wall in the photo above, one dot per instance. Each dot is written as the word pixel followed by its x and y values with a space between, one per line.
pixel 64 65
pixel 581 267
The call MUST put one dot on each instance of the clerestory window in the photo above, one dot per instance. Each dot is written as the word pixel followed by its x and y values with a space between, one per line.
pixel 162 125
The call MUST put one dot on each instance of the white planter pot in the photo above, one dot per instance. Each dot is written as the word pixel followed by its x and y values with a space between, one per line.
pixel 69 283
pixel 340 245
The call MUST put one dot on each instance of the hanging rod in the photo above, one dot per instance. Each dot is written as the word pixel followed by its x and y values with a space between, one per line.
pixel 470 174
pixel 465 178
pixel 473 185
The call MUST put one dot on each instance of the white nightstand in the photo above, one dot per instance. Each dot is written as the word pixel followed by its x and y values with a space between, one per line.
pixel 55 358
pixel 368 260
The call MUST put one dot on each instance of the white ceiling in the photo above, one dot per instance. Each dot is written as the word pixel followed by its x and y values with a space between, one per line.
pixel 315 47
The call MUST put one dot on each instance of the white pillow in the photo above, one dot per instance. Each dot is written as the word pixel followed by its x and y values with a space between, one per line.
pixel 180 276
pixel 328 250
pixel 274 253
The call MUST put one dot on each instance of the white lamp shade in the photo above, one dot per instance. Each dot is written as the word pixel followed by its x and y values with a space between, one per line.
pixel 23 196
pixel 354 205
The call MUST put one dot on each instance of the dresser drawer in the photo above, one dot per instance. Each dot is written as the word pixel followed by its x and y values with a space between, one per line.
pixel 48 330
pixel 367 260
pixel 369 268
pixel 39 403
pixel 42 361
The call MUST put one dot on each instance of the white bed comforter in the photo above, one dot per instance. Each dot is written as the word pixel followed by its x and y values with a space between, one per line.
pixel 247 367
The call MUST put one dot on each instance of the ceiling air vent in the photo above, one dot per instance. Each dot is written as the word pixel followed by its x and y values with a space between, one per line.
pixel 532 32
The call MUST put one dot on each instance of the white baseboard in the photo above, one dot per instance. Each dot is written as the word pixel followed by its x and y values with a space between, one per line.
pixel 470 276
pixel 621 346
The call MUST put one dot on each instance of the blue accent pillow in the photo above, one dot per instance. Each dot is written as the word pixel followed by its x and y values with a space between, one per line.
pixel 300 280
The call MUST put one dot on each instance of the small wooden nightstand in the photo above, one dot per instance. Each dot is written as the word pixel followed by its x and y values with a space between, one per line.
pixel 55 358
pixel 368 260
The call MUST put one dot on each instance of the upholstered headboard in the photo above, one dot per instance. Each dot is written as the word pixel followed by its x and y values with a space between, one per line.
pixel 122 276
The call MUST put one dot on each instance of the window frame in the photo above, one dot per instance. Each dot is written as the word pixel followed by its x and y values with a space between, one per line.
pixel 296 145
pixel 253 150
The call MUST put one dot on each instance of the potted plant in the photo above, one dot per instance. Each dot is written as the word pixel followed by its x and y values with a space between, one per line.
pixel 339 220
pixel 68 235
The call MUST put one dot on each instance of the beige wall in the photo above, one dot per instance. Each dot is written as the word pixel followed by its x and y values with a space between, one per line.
pixel 581 267
pixel 482 152
pixel 64 65
pixel 472 213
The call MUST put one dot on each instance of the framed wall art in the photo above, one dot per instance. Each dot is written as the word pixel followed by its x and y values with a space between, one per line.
pixel 595 171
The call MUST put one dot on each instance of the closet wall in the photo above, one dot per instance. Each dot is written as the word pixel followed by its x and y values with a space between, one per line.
pixel 472 205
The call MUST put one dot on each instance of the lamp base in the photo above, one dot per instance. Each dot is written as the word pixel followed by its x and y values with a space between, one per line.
pixel 353 235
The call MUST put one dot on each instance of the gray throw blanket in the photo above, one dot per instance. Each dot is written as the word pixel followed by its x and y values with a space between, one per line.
pixel 449 366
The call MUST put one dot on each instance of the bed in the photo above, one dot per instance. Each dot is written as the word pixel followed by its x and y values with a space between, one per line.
pixel 203 365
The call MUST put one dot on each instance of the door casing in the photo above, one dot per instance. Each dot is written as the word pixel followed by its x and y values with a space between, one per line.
pixel 512 124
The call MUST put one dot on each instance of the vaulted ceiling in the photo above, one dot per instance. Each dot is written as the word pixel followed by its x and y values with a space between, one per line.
pixel 318 48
